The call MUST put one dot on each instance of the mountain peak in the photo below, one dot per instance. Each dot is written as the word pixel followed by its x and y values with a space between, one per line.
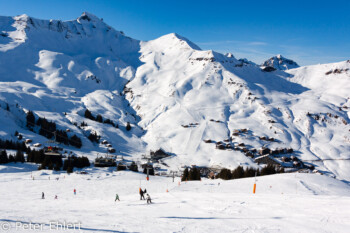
pixel 174 39
pixel 181 38
pixel 86 16
pixel 280 63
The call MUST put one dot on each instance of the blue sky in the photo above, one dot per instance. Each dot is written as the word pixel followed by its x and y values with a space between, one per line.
pixel 309 32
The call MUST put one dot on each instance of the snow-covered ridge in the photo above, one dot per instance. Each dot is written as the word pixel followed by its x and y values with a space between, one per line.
pixel 280 63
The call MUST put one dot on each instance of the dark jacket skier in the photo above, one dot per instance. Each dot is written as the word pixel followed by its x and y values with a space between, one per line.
pixel 116 197
pixel 42 195
pixel 149 200
pixel 141 195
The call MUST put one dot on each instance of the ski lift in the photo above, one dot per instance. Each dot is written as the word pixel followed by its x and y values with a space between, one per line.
pixel 50 150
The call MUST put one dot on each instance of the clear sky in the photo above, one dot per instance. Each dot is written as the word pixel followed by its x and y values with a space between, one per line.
pixel 308 32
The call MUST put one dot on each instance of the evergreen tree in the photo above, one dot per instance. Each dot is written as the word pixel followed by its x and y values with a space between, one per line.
pixel 3 157
pixel 75 141
pixel 62 137
pixel 70 170
pixel 99 118
pixel 185 175
pixel 249 172
pixel 39 156
pixel 268 170
pixel 93 137
pixel 47 128
pixel 238 173
pixel 11 159
pixel 30 119
pixel 128 126
pixel 224 174
pixel 88 115
pixel 19 157
pixel 194 174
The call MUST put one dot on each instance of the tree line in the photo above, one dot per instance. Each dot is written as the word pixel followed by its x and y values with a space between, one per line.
pixel 191 174
pixel 48 129
pixel 226 174
pixel 100 119
pixel 240 172
pixel 46 161
pixel 8 158
pixel 11 145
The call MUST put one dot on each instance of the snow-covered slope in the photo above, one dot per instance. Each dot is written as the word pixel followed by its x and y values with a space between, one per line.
pixel 176 96
pixel 280 63
pixel 53 67
pixel 282 203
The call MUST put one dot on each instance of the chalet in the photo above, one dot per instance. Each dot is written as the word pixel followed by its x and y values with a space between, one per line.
pixel 159 154
pixel 264 151
pixel 37 145
pixel 28 141
pixel 111 150
pixel 220 147
pixel 267 159
pixel 52 151
pixel 105 162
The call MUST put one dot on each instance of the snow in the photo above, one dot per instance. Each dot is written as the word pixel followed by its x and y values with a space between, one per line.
pixel 285 202
pixel 53 67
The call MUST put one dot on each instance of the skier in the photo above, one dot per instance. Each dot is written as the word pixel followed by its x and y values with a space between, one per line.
pixel 56 197
pixel 42 195
pixel 116 197
pixel 141 195
pixel 75 192
pixel 149 200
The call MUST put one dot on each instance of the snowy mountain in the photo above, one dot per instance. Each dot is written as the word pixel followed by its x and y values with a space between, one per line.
pixel 201 107
pixel 280 63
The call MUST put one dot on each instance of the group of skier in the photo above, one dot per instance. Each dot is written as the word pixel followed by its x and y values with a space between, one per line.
pixel 142 196
pixel 56 197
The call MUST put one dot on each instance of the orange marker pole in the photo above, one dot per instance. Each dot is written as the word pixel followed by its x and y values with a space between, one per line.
pixel 254 188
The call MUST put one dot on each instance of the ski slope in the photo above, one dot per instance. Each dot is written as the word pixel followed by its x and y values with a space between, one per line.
pixel 282 203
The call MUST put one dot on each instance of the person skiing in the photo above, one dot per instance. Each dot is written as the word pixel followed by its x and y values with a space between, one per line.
pixel 75 191
pixel 42 195
pixel 149 200
pixel 116 197
pixel 56 197
pixel 141 195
